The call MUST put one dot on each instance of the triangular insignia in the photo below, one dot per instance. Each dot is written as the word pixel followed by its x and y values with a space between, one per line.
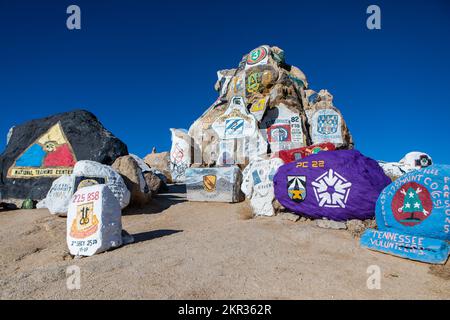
pixel 51 155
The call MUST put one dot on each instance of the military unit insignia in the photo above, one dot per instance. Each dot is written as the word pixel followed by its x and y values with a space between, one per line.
pixel 256 56
pixel 85 223
pixel 234 127
pixel 412 204
pixel 331 190
pixel 327 124
pixel 423 162
pixel 209 183
pixel 280 133
pixel 49 156
pixel 296 188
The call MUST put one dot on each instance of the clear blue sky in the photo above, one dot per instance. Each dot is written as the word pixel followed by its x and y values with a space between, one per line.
pixel 145 66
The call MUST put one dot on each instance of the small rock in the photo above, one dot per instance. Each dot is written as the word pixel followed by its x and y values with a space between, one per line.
pixel 356 227
pixel 290 216
pixel 330 224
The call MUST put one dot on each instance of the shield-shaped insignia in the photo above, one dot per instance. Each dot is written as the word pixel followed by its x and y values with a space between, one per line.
pixel 85 223
pixel 209 183
pixel 296 186
pixel 327 124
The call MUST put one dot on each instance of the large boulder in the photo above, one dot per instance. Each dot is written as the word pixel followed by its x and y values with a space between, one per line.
pixel 161 162
pixel 88 173
pixel 94 221
pixel 412 216
pixel 257 184
pixel 417 203
pixel 42 150
pixel 133 176
pixel 338 185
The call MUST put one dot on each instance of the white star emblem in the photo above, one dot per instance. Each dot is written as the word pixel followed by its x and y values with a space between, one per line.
pixel 411 194
pixel 416 205
pixel 334 180
pixel 407 205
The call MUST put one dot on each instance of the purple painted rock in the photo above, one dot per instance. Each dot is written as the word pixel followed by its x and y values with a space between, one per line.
pixel 337 185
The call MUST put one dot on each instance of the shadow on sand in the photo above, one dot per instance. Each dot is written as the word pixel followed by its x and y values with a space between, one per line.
pixel 150 235
pixel 162 201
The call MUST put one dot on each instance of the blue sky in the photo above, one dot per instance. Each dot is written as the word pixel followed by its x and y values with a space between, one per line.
pixel 145 66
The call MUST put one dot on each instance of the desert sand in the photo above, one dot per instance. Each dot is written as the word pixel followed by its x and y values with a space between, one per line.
pixel 188 250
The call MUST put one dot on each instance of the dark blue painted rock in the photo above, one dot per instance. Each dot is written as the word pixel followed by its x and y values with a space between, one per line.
pixel 337 185
pixel 418 203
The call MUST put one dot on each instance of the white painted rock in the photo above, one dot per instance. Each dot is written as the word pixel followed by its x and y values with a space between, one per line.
pixel 417 160
pixel 257 184
pixel 58 197
pixel 141 163
pixel 89 173
pixel 180 154
pixel 221 184
pixel 283 128
pixel 394 170
pixel 94 221
pixel 236 122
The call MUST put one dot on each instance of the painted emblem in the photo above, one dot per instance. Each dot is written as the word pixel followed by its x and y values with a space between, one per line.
pixel 209 183
pixel 234 127
pixel 85 222
pixel 296 188
pixel 411 204
pixel 327 124
pixel 49 156
pixel 256 56
pixel 331 190
pixel 423 161
pixel 253 82
pixel 260 105
pixel 280 133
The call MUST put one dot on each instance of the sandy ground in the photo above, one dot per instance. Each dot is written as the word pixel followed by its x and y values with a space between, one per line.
pixel 186 250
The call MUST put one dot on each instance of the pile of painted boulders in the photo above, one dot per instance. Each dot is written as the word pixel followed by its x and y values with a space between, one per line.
pixel 264 107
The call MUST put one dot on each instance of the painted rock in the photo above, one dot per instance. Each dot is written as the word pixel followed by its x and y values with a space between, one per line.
pixel 326 121
pixel 257 184
pixel 337 185
pixel 418 203
pixel 161 163
pixel 134 179
pixel 299 153
pixel 221 184
pixel 58 197
pixel 94 221
pixel 88 173
pixel 406 246
pixel 417 160
pixel 395 170
pixel 43 150
pixel 180 154
pixel 283 128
